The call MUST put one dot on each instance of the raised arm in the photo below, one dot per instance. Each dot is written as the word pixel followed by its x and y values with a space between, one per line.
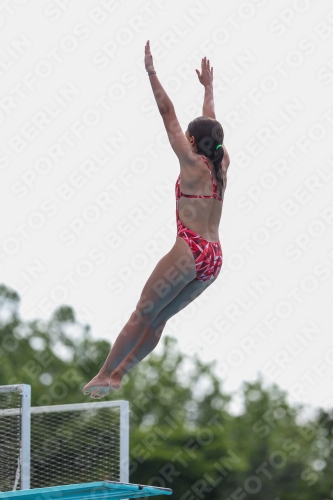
pixel 177 138
pixel 163 101
pixel 208 109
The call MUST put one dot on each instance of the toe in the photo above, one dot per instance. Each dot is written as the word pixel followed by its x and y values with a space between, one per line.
pixel 100 392
pixel 95 394
pixel 87 389
pixel 106 390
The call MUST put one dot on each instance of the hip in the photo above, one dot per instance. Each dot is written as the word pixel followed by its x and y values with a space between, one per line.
pixel 185 232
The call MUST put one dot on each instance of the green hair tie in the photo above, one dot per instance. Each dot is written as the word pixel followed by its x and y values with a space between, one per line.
pixel 218 146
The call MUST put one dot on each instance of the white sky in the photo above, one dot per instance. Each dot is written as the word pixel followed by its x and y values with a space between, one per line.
pixel 63 152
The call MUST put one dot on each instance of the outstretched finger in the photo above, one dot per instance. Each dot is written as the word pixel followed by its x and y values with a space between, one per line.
pixel 211 70
pixel 208 64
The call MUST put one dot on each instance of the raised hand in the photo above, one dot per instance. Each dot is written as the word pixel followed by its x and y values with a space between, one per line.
pixel 206 76
pixel 148 56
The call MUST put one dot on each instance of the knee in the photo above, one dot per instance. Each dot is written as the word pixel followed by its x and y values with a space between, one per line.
pixel 157 324
pixel 145 311
pixel 142 316
pixel 156 329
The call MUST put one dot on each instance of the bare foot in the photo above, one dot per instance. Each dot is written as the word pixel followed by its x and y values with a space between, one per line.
pixel 115 380
pixel 98 387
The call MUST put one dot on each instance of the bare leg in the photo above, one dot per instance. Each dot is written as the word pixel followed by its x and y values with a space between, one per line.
pixel 102 384
pixel 145 346
pixel 159 291
pixel 127 339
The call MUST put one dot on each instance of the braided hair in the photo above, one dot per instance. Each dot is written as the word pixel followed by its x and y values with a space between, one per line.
pixel 208 134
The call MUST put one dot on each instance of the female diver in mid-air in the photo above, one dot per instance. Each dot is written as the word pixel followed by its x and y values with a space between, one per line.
pixel 195 260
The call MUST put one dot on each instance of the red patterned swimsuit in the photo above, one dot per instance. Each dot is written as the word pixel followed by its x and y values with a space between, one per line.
pixel 207 254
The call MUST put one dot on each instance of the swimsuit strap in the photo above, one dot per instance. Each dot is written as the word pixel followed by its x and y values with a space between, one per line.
pixel 214 196
pixel 214 185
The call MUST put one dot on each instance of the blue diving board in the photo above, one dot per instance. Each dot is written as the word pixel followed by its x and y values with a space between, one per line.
pixel 87 491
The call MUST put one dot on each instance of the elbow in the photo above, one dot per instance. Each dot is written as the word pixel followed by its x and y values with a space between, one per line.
pixel 166 110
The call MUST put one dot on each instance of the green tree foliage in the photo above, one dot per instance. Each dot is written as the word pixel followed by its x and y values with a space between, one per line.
pixel 181 436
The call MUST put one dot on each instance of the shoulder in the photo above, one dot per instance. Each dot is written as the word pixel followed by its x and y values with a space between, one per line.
pixel 191 168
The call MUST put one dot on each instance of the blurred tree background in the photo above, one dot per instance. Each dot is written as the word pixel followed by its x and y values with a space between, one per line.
pixel 181 437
